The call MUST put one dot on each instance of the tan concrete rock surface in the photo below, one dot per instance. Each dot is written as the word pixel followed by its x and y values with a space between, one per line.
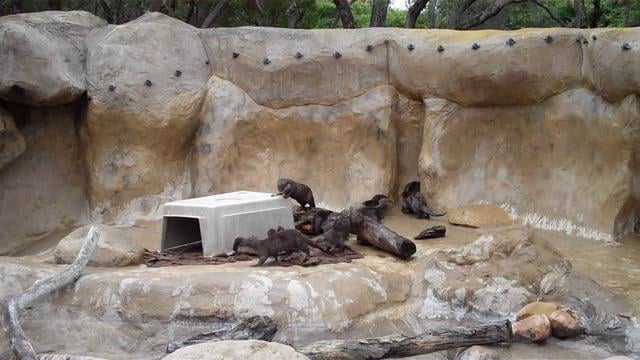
pixel 11 140
pixel 346 153
pixel 538 162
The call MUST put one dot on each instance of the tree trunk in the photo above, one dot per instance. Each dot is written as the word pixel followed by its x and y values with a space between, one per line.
pixel 596 14
pixel 17 6
pixel 12 306
pixel 55 4
pixel 379 10
pixel 344 11
pixel 107 11
pixel 190 12
pixel 215 11
pixel 398 346
pixel 293 15
pixel 578 5
pixel 413 13
pixel 252 328
pixel 431 14
pixel 627 12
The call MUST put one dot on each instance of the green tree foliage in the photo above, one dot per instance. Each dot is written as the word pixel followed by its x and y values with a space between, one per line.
pixel 315 14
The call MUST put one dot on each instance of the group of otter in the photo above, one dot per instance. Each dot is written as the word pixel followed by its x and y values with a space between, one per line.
pixel 332 228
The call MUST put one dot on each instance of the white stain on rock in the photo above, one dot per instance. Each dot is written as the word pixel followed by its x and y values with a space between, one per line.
pixel 565 225
pixel 252 296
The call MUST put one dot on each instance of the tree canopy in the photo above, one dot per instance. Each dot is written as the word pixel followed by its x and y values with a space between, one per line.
pixel 313 14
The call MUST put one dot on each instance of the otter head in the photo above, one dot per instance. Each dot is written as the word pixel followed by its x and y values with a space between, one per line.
pixel 239 241
pixel 282 183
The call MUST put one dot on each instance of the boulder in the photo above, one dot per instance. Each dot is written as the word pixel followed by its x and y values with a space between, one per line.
pixel 537 308
pixel 116 247
pixel 490 278
pixel 535 328
pixel 514 157
pixel 236 350
pixel 43 56
pixel 564 323
pixel 345 153
pixel 479 215
pixel 599 311
pixel 141 119
pixel 478 353
pixel 11 141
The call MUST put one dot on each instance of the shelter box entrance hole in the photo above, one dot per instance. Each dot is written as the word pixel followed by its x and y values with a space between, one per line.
pixel 217 220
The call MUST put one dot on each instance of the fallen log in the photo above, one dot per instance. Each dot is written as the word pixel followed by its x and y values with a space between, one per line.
pixel 12 306
pixel 252 328
pixel 309 220
pixel 402 346
pixel 371 232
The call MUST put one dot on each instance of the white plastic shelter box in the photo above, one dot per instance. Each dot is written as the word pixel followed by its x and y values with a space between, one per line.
pixel 217 220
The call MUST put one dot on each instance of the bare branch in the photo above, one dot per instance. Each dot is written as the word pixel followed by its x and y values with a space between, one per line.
pixel 553 16
pixel 215 11
pixel 12 307
pixel 487 14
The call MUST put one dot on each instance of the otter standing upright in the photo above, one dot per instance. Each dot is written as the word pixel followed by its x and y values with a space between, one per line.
pixel 297 191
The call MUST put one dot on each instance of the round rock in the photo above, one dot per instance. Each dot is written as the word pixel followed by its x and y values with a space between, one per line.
pixel 480 215
pixel 564 323
pixel 535 328
pixel 236 350
pixel 537 308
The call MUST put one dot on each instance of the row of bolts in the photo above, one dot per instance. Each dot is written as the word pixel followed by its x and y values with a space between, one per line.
pixel 511 42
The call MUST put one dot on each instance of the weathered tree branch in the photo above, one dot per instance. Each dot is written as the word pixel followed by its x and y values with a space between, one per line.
pixel 493 10
pixel 553 16
pixel 253 328
pixel 215 11
pixel 401 346
pixel 12 306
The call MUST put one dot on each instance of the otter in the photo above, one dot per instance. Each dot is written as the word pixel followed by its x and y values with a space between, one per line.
pixel 297 191
pixel 413 202
pixel 376 208
pixel 277 242
pixel 336 236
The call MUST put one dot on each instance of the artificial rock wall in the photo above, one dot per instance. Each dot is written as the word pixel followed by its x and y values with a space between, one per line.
pixel 133 115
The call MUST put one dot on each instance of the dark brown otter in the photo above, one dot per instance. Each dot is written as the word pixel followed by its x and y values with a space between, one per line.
pixel 376 208
pixel 413 202
pixel 297 191
pixel 336 236
pixel 278 242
